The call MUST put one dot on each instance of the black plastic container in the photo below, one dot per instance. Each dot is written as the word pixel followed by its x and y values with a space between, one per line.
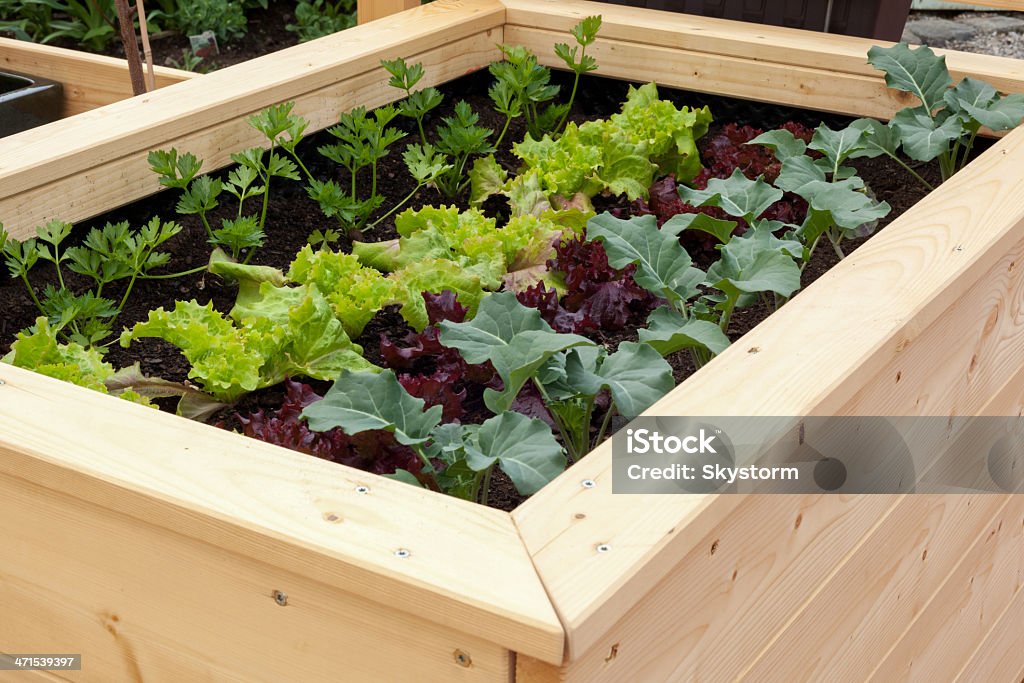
pixel 27 102
pixel 881 19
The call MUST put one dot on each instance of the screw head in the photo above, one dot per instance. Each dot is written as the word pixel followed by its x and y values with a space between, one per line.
pixel 588 483
pixel 463 659
pixel 2 382
pixel 402 553
pixel 603 548
pixel 281 598
pixel 362 489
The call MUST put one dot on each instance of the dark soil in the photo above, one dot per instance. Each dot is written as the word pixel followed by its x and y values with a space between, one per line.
pixel 293 216
pixel 266 33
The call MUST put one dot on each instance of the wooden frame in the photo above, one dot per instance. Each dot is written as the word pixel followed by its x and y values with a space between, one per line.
pixel 89 80
pixel 168 550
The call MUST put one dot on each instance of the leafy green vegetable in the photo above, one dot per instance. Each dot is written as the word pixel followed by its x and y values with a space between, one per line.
pixel 355 292
pixel 947 122
pixel 357 402
pixel 513 338
pixel 523 447
pixel 39 349
pixel 620 155
pixel 663 266
pixel 111 254
pixel 249 180
pixel 287 332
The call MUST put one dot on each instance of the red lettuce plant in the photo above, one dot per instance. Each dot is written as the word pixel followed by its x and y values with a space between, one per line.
pixel 435 373
pixel 598 297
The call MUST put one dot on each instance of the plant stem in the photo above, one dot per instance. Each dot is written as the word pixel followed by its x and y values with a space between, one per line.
pixel 485 487
pixel 912 172
pixel 171 276
pixel 570 446
pixel 428 467
pixel 572 95
pixel 266 191
pixel 397 206
pixel 604 424
pixel 127 291
pixel 835 245
pixel 508 120
pixel 32 293
pixel 967 149
pixel 810 253
pixel 206 224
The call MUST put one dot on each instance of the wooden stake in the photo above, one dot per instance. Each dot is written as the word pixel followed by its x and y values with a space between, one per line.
pixel 146 49
pixel 131 46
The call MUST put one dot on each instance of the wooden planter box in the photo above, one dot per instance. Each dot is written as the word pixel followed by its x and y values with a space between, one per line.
pixel 166 550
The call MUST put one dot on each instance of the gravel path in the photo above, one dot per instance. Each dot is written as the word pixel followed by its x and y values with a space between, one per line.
pixel 990 33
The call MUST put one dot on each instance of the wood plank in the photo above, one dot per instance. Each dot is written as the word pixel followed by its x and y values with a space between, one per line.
pixel 776 45
pixel 752 79
pixel 85 194
pixel 135 126
pixel 371 10
pixel 871 600
pixel 933 253
pixel 89 80
pixel 1014 5
pixel 735 587
pixel 142 602
pixel 467 568
pixel 1001 656
pixel 957 618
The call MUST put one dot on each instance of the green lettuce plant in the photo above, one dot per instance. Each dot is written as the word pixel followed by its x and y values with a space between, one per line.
pixel 619 155
pixel 276 333
pixel 39 349
pixel 443 248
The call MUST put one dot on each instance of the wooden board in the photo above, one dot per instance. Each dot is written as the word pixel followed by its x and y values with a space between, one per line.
pixel 300 515
pixel 931 255
pixel 141 602
pixel 1014 5
pixel 86 193
pixel 371 10
pixel 765 63
pixel 89 80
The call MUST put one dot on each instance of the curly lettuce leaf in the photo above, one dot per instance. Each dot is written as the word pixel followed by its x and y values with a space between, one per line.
pixel 287 332
pixel 355 291
pixel 434 275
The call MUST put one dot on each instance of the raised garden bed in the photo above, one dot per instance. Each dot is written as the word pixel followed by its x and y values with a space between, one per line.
pixel 151 544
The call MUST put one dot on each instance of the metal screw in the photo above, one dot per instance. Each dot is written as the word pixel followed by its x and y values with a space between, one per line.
pixel 463 659
pixel 402 553
pixel 362 489
pixel 2 382
pixel 588 483
pixel 959 248
pixel 281 598
pixel 603 548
